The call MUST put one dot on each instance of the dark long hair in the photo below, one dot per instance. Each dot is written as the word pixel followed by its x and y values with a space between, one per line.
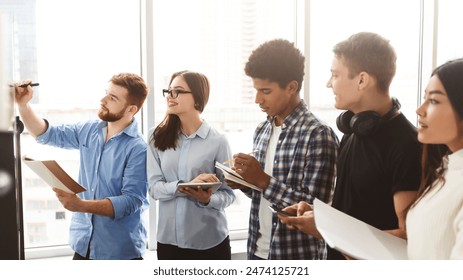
pixel 165 135
pixel 432 168
pixel 432 160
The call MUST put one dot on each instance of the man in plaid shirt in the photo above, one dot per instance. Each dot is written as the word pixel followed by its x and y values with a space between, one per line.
pixel 295 155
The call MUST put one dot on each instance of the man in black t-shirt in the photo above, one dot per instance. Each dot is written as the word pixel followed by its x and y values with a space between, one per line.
pixel 378 168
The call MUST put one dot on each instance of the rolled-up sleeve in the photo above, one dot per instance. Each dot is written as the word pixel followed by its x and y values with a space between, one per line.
pixel 134 184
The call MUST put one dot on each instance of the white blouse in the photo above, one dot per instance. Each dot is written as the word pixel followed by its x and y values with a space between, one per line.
pixel 435 224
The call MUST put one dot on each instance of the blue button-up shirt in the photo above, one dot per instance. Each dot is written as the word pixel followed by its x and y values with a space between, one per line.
pixel 304 169
pixel 183 221
pixel 115 170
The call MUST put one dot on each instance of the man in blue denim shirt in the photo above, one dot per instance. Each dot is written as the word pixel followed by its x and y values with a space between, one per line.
pixel 108 219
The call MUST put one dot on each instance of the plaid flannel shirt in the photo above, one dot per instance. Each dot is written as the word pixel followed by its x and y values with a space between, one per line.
pixel 304 169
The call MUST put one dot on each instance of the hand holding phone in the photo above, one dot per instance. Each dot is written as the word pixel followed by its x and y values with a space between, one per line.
pixel 278 210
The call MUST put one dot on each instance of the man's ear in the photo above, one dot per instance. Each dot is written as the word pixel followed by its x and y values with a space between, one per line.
pixel 133 109
pixel 363 80
pixel 292 86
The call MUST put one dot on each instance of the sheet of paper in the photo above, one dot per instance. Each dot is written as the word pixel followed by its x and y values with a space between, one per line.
pixel 356 238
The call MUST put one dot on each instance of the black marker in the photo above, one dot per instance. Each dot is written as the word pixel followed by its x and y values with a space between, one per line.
pixel 32 85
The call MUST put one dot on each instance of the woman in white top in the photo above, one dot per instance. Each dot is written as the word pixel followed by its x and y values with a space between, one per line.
pixel 184 148
pixel 435 221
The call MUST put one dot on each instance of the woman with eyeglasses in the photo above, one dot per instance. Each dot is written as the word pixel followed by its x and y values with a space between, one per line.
pixel 184 148
pixel 435 221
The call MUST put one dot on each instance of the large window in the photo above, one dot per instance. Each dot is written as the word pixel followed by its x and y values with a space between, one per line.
pixel 72 48
pixel 449 43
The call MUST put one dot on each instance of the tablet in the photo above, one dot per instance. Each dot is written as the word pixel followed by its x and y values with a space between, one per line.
pixel 204 186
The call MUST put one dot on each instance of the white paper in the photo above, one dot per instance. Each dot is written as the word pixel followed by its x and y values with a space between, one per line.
pixel 356 238
pixel 6 93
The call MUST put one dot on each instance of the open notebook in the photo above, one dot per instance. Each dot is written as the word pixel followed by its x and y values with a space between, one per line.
pixel 231 175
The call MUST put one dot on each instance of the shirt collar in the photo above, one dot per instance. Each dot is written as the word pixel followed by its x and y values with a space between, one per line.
pixel 202 131
pixel 131 130
pixel 454 160
pixel 294 116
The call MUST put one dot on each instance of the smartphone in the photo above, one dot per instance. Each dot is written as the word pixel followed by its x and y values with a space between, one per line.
pixel 278 210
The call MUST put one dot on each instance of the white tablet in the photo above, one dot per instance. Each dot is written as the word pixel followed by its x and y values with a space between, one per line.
pixel 204 186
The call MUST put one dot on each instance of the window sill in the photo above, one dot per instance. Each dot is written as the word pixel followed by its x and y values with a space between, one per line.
pixel 238 248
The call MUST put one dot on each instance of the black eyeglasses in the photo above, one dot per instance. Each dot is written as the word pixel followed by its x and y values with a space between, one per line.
pixel 173 92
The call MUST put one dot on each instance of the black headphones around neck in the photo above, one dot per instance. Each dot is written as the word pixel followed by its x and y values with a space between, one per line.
pixel 366 122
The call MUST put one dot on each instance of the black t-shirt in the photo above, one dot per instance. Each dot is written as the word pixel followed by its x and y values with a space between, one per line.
pixel 372 168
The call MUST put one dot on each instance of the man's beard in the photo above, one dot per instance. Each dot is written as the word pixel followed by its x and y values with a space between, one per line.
pixel 106 116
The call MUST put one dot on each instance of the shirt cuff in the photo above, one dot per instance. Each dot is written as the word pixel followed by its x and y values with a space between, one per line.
pixel 43 138
pixel 213 203
pixel 116 202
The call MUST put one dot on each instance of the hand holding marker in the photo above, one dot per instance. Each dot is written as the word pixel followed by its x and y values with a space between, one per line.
pixel 31 84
